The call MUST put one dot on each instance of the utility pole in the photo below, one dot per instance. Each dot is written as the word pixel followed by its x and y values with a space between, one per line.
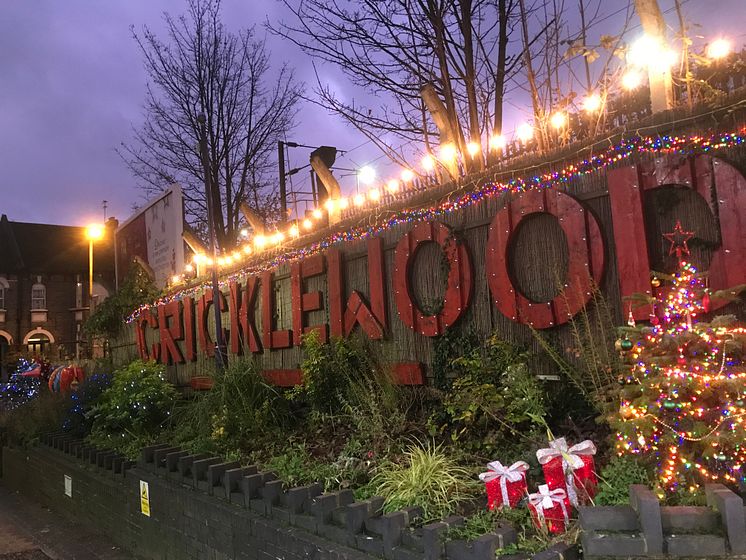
pixel 283 189
pixel 220 347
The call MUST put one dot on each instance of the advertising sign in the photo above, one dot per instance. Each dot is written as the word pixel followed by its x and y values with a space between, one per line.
pixel 154 236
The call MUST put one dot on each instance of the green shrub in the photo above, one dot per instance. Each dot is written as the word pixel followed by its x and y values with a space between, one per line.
pixel 133 410
pixel 228 418
pixel 108 318
pixel 427 477
pixel 24 424
pixel 494 402
pixel 616 478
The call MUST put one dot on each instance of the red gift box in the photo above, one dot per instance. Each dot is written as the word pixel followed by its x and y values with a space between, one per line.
pixel 505 486
pixel 549 509
pixel 571 468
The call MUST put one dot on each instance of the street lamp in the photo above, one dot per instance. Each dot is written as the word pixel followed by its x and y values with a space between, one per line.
pixel 93 232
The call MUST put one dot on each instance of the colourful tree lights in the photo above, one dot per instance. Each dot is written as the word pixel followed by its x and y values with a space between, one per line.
pixel 684 402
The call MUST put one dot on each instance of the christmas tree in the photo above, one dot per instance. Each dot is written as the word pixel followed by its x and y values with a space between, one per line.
pixel 683 404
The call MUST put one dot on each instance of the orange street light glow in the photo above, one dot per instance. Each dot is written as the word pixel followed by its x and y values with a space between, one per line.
pixel 407 175
pixel 94 232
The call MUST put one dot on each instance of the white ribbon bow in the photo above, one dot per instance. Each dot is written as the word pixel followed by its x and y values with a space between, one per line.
pixel 572 458
pixel 513 473
pixel 546 499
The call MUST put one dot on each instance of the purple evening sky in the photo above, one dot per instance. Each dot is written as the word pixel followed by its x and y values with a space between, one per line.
pixel 72 85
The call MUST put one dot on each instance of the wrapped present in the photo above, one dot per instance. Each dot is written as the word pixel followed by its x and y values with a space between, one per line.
pixel 549 509
pixel 571 468
pixel 505 485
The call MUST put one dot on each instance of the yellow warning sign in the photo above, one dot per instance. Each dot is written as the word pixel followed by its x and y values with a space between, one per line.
pixel 144 498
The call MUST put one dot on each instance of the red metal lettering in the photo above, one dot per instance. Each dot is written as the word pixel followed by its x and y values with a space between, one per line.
pixel 343 318
pixel 272 338
pixel 243 322
pixel 304 302
pixel 585 252
pixel 283 377
pixel 409 373
pixel 459 285
pixel 190 342
pixel 203 312
pixel 169 319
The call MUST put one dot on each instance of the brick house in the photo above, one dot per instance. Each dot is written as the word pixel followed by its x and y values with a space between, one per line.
pixel 44 287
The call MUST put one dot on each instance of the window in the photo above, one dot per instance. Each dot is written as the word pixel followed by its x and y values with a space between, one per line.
pixel 37 343
pixel 3 288
pixel 38 296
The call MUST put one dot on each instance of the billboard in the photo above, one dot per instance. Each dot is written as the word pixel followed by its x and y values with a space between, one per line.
pixel 154 235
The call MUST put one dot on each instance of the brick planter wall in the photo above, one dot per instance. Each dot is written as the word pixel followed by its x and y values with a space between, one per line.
pixel 645 529
pixel 202 507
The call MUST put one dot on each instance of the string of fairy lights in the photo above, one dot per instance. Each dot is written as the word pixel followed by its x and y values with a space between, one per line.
pixel 268 252
pixel 645 54
pixel 687 411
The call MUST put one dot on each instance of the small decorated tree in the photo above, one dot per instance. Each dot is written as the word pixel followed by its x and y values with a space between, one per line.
pixel 684 403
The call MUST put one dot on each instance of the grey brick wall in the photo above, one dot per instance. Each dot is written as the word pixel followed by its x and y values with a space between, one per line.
pixel 183 524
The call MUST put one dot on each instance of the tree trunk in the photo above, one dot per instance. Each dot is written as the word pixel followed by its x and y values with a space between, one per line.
pixel 538 116
pixel 661 84
pixel 502 55
pixel 477 162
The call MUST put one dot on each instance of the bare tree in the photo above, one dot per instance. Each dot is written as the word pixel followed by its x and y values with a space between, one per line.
pixel 395 49
pixel 203 69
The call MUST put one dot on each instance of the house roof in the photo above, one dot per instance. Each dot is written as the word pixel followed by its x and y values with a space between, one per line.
pixel 47 248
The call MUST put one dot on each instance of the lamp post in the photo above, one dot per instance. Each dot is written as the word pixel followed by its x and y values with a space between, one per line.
pixel 93 232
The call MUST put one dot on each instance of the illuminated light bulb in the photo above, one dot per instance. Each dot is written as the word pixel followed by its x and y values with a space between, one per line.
pixel 374 194
pixel 236 256
pixel 407 175
pixel 343 203
pixel 175 279
pixel 247 249
pixel 473 148
pixel 198 258
pixel 592 103
pixel 294 231
pixel 392 186
pixel 366 175
pixel 208 261
pixel 649 52
pixel 260 241
pixel 719 48
pixel 94 232
pixel 277 237
pixel 189 268
pixel 358 200
pixel 221 261
pixel 524 132
pixel 497 142
pixel 329 205
pixel 559 120
pixel 307 224
pixel 631 80
pixel 428 162
pixel 448 152
pixel 244 232
pixel 318 214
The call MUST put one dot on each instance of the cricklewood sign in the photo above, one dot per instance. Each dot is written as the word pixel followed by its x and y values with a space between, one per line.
pixel 478 269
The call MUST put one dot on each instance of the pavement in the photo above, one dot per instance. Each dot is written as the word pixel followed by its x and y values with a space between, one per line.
pixel 32 531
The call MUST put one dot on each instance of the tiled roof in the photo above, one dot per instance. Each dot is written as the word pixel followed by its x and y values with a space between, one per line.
pixel 50 248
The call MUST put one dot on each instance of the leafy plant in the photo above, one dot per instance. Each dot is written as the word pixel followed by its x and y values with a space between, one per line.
pixel 25 423
pixel 77 420
pixel 592 365
pixel 428 478
pixel 494 399
pixel 133 410
pixel 616 478
pixel 226 419
pixel 108 318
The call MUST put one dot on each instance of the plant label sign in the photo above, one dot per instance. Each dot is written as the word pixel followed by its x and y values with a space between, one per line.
pixel 144 498
pixel 68 486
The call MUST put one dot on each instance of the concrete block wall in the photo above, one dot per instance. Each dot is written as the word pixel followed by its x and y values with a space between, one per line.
pixel 646 529
pixel 203 507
